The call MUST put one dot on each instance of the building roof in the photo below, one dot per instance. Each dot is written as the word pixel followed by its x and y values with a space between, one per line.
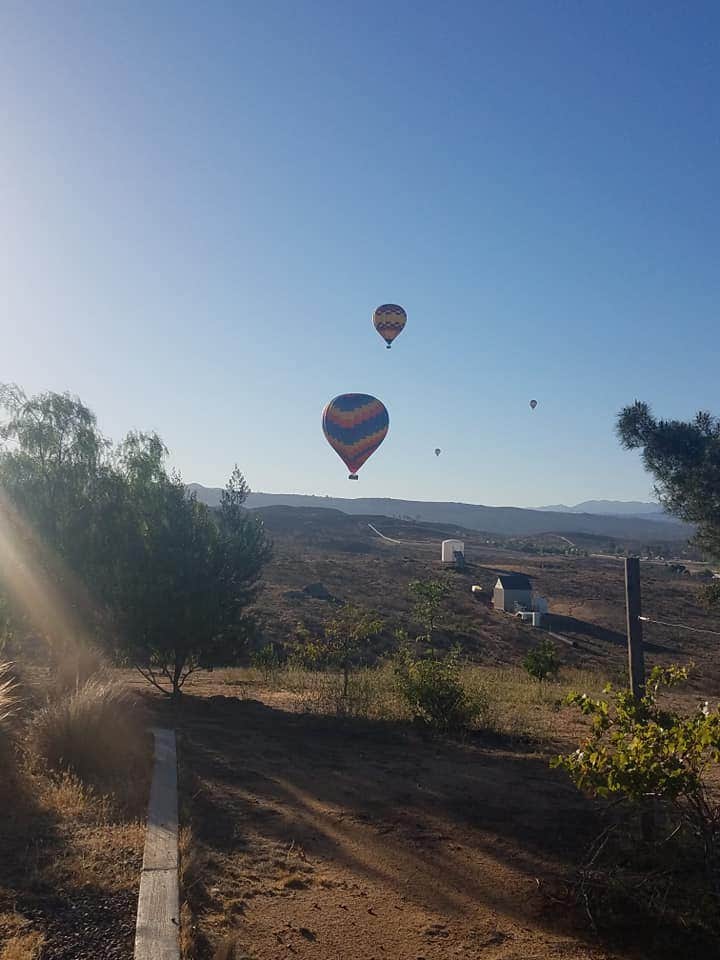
pixel 514 581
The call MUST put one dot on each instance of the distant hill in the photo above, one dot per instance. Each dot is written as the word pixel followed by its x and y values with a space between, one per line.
pixel 510 521
pixel 613 508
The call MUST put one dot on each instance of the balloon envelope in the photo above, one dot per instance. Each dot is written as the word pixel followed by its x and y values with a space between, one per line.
pixel 355 424
pixel 389 320
pixel 438 451
pixel 533 404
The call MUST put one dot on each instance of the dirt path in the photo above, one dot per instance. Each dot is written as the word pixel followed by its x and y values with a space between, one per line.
pixel 330 839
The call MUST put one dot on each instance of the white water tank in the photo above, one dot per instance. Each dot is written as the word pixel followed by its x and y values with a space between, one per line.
pixel 450 548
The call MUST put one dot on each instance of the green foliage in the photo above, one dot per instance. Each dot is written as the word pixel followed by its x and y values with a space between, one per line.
pixel 684 459
pixel 266 659
pixel 542 661
pixel 163 580
pixel 309 652
pixel 710 596
pixel 434 691
pixel 347 638
pixel 429 597
pixel 637 750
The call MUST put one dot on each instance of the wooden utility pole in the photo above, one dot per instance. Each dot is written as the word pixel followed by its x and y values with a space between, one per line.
pixel 636 665
pixel 636 657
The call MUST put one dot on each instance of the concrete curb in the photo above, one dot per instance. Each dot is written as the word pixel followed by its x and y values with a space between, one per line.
pixel 158 914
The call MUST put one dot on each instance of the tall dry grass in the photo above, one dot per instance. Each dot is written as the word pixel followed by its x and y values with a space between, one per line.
pixel 9 709
pixel 510 702
pixel 95 732
pixel 9 694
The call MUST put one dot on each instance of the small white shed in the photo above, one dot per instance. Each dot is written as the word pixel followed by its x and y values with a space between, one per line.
pixel 511 589
pixel 452 550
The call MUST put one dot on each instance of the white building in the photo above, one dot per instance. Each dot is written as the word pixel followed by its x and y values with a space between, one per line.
pixel 512 589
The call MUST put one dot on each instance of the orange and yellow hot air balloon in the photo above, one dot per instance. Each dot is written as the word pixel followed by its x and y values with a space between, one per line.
pixel 389 320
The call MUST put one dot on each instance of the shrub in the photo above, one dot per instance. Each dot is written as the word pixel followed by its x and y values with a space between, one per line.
pixel 434 691
pixel 542 662
pixel 96 732
pixel 266 659
pixel 347 639
pixel 638 751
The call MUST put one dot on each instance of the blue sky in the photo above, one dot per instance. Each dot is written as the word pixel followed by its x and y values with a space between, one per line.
pixel 202 203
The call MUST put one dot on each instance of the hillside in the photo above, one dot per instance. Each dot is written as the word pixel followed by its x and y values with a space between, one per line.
pixel 508 521
pixel 325 556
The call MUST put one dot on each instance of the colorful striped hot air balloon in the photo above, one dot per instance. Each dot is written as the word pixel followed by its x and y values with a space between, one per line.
pixel 355 425
pixel 389 320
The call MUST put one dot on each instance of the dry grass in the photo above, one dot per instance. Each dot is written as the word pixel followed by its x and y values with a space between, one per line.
pixel 95 732
pixel 511 702
pixel 23 946
pixel 9 700
pixel 73 666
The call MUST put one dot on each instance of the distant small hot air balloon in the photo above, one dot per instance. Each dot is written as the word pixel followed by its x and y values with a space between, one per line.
pixel 438 451
pixel 389 320
pixel 355 425
pixel 533 404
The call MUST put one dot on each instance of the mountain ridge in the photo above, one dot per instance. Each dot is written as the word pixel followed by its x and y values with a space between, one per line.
pixel 502 520
pixel 611 508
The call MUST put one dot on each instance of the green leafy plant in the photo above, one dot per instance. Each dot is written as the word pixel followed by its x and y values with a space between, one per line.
pixel 639 751
pixel 434 691
pixel 266 659
pixel 429 597
pixel 542 661
pixel 347 638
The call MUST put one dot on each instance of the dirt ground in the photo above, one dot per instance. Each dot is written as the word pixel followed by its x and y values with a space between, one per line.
pixel 321 838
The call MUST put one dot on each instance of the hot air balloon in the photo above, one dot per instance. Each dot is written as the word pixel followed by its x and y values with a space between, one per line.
pixel 355 425
pixel 438 451
pixel 389 320
pixel 533 404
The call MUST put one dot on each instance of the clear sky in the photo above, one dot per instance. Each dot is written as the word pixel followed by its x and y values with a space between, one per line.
pixel 202 203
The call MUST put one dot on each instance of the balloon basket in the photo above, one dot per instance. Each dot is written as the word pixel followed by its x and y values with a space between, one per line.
pixel 353 476
pixel 389 346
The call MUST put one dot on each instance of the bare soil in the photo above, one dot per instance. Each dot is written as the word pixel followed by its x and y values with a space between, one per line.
pixel 324 838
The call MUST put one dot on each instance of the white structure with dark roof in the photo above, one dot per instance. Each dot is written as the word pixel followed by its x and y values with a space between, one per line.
pixel 512 589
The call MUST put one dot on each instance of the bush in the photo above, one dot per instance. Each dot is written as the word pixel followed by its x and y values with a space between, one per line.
pixel 96 732
pixel 266 659
pixel 434 691
pixel 542 662
pixel 639 752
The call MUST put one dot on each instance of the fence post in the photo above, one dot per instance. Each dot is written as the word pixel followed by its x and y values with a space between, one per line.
pixel 636 664
pixel 636 657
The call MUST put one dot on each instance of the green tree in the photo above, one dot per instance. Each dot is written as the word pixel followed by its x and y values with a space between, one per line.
pixel 170 580
pixel 429 597
pixel 684 459
pixel 184 574
pixel 347 638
